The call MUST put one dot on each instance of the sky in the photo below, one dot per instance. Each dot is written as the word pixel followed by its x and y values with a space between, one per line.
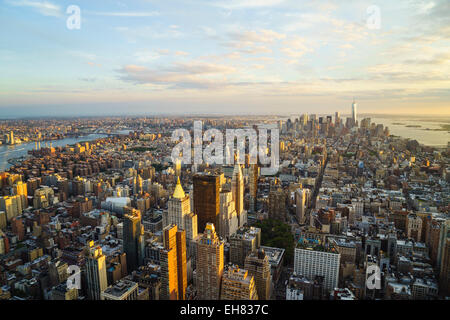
pixel 224 57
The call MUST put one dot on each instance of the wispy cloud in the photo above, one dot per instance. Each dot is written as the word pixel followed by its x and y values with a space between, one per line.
pixel 45 8
pixel 193 74
pixel 240 4
pixel 125 14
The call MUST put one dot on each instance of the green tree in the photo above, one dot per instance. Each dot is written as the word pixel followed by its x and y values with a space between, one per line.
pixel 275 233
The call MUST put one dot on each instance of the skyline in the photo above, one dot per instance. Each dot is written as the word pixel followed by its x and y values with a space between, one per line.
pixel 241 57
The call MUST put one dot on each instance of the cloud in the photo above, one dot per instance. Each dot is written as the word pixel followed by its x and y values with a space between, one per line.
pixel 181 53
pixel 143 33
pixel 146 56
pixel 252 42
pixel 125 14
pixel 243 4
pixel 193 74
pixel 263 35
pixel 45 8
pixel 292 53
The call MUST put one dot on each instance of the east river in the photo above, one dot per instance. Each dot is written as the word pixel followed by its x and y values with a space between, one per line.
pixel 8 152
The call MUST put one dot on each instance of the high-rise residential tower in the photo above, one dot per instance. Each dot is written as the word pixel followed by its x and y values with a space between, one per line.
pixel 312 259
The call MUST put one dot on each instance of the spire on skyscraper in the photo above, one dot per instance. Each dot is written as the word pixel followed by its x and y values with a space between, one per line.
pixel 178 192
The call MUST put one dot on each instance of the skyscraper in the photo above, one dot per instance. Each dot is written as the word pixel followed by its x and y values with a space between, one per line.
pixel 206 199
pixel 354 106
pixel 133 238
pixel 300 201
pixel 277 202
pixel 311 260
pixel 228 219
pixel 97 280
pixel 337 119
pixel 173 264
pixel 179 212
pixel 210 262
pixel 181 264
pixel 253 186
pixel 237 189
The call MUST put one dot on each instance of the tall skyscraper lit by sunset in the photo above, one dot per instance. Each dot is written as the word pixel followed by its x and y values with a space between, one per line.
pixel 354 112
pixel 210 264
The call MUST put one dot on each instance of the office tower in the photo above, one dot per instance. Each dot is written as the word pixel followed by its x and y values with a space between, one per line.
pixel 179 212
pixel 238 284
pixel 228 219
pixel 237 189
pixel 190 226
pixel 206 199
pixel 181 264
pixel 337 119
pixel 300 201
pixel 365 123
pixel 257 264
pixel 312 259
pixel 253 186
pixel 121 290
pixel 169 275
pixel 277 203
pixel 354 106
pixel 173 264
pixel 304 120
pixel 97 280
pixel 210 262
pixel 242 243
pixel 133 238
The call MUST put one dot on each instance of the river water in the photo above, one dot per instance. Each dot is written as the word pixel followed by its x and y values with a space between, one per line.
pixel 19 150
